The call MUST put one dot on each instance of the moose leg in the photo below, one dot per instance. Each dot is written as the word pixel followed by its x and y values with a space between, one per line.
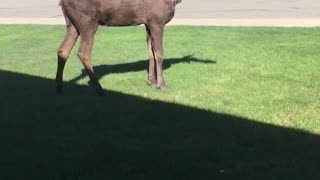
pixel 156 32
pixel 84 55
pixel 151 71
pixel 63 54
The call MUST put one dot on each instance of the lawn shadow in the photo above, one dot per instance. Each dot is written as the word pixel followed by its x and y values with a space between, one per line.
pixel 122 136
pixel 140 65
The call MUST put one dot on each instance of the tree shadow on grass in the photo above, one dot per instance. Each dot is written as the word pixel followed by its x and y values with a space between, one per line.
pixel 141 65
pixel 122 136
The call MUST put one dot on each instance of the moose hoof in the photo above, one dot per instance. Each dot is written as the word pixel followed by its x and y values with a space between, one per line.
pixel 161 87
pixel 151 82
pixel 100 93
pixel 59 91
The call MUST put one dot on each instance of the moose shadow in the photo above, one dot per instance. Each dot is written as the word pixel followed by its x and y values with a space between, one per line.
pixel 121 136
pixel 140 65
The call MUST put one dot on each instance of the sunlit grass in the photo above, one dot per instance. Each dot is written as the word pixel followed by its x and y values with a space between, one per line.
pixel 268 74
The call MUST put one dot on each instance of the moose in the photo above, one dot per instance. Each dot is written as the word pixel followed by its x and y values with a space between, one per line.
pixel 83 18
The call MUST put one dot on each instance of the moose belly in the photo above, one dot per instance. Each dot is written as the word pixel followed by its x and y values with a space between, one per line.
pixel 122 16
pixel 120 20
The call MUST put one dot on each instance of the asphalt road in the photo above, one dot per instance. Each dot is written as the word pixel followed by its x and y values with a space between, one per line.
pixel 197 9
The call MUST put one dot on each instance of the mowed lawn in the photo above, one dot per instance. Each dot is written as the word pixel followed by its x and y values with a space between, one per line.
pixel 240 103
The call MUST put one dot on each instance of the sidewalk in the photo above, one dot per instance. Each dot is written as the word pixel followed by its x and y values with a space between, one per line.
pixel 197 22
pixel 281 13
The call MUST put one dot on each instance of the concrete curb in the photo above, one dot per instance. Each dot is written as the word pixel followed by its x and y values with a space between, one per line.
pixel 250 22
pixel 197 22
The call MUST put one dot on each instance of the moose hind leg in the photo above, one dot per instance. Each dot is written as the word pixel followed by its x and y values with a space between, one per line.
pixel 63 54
pixel 84 55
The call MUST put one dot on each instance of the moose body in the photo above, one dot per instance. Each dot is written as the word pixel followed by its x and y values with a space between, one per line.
pixel 84 16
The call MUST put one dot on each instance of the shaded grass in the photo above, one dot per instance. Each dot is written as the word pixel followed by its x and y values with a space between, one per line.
pixel 121 136
pixel 224 86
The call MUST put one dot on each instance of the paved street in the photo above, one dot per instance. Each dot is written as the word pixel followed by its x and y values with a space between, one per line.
pixel 194 9
pixel 30 9
pixel 259 9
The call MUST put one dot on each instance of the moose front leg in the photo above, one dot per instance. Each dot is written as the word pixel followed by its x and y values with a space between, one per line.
pixel 151 71
pixel 156 32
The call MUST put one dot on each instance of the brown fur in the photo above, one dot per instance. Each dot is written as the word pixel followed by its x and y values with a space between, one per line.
pixel 84 16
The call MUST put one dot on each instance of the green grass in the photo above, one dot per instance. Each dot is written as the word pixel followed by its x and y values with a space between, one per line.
pixel 241 103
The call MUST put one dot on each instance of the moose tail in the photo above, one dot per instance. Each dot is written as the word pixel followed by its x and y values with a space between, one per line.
pixel 68 23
